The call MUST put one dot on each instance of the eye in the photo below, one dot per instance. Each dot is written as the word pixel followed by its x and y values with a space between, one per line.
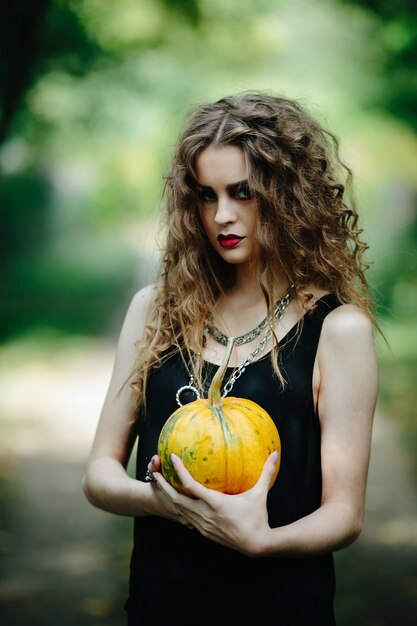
pixel 206 195
pixel 244 193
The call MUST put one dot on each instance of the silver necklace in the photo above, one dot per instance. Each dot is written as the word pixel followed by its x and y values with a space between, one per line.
pixel 237 372
pixel 217 334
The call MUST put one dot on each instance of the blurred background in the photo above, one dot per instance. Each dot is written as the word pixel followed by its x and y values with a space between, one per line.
pixel 93 95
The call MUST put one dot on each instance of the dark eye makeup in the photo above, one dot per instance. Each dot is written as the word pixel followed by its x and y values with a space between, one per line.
pixel 243 193
pixel 205 194
pixel 239 191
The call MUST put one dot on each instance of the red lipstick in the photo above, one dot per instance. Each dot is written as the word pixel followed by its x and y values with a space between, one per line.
pixel 229 241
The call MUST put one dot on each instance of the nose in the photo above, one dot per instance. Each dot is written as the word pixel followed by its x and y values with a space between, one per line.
pixel 226 213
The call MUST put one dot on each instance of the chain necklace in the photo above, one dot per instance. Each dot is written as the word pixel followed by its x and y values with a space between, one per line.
pixel 252 334
pixel 237 372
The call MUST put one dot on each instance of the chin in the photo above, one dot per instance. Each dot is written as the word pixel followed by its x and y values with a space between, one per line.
pixel 234 257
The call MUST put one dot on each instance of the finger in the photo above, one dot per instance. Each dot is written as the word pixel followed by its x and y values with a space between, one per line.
pixel 192 486
pixel 166 488
pixel 154 464
pixel 179 501
pixel 173 498
pixel 268 471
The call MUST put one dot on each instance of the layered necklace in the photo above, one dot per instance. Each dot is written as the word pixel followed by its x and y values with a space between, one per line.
pixel 267 324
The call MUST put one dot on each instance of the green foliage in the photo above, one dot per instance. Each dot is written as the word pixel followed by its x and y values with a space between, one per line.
pixel 396 31
pixel 398 395
pixel 63 279
pixel 398 372
pixel 24 216
pixel 101 90
pixel 93 94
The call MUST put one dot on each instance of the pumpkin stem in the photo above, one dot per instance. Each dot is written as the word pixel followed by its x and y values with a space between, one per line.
pixel 214 393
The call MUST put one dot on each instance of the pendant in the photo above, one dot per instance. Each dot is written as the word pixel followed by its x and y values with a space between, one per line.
pixel 186 388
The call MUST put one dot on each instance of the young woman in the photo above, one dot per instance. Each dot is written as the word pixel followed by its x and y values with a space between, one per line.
pixel 259 229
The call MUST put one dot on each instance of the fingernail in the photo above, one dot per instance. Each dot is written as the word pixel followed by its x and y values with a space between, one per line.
pixel 275 456
pixel 153 460
pixel 173 457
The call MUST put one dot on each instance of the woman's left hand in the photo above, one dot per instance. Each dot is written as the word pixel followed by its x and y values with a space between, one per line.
pixel 237 521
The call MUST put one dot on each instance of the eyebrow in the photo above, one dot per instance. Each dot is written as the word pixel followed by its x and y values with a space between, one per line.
pixel 231 187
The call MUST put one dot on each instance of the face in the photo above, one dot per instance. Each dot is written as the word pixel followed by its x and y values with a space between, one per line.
pixel 227 208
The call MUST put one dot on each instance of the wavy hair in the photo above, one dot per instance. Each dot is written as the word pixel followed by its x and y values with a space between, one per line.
pixel 307 226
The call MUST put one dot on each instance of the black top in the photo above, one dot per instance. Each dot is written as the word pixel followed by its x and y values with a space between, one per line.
pixel 178 576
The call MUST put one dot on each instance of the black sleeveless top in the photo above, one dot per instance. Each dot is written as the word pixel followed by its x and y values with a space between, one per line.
pixel 179 577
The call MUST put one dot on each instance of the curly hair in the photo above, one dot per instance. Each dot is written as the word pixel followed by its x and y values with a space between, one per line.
pixel 307 226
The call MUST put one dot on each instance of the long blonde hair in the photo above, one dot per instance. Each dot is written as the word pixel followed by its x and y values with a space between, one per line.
pixel 308 224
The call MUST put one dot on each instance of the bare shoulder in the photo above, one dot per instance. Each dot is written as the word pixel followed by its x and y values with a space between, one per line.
pixel 347 337
pixel 347 322
pixel 142 301
pixel 346 358
pixel 137 312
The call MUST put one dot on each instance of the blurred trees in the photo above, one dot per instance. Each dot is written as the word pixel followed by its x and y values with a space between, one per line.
pixel 40 35
pixel 396 30
pixel 93 94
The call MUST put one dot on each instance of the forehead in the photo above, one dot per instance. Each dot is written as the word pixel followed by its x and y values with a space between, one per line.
pixel 221 166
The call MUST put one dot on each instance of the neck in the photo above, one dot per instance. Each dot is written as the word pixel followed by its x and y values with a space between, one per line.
pixel 246 284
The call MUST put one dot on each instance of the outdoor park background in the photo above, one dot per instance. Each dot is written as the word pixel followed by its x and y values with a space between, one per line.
pixel 93 94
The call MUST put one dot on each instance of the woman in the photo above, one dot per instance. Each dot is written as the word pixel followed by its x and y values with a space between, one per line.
pixel 259 228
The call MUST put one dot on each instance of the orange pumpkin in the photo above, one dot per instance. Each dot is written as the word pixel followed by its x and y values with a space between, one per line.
pixel 223 442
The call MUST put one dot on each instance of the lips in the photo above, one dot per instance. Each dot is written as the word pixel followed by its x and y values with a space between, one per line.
pixel 229 241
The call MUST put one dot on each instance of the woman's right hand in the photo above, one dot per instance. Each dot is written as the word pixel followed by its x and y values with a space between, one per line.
pixel 168 508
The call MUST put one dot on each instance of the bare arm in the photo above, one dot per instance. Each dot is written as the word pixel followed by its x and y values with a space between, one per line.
pixel 346 400
pixel 106 483
pixel 346 403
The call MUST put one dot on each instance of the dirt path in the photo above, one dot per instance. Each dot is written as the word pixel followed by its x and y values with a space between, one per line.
pixel 62 560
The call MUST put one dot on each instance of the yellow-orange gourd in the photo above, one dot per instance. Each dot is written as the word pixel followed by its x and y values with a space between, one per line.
pixel 223 442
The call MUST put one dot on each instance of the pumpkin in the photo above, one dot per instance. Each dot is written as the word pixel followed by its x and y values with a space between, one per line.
pixel 223 442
